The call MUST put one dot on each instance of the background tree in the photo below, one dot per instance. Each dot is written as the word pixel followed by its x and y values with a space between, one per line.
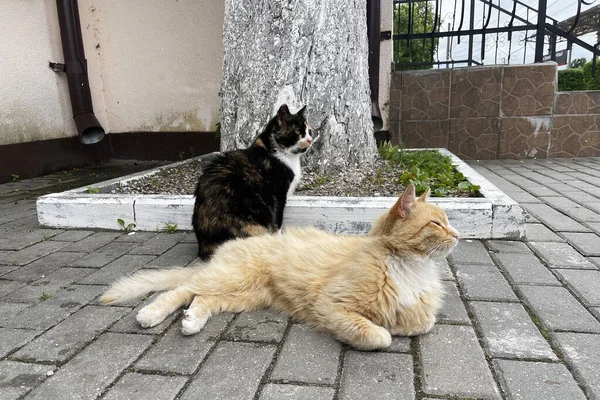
pixel 417 50
pixel 577 63
pixel 299 52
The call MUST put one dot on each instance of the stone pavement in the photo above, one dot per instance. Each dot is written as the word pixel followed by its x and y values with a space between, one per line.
pixel 520 320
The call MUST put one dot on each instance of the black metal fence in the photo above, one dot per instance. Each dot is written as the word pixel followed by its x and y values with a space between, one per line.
pixel 476 32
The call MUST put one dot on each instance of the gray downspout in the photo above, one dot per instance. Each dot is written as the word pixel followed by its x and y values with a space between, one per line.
pixel 374 34
pixel 89 129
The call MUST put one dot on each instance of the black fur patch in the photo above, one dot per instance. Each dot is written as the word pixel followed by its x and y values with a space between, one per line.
pixel 244 188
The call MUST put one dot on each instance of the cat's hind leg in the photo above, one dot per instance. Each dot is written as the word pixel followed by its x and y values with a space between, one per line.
pixel 203 306
pixel 358 331
pixel 164 305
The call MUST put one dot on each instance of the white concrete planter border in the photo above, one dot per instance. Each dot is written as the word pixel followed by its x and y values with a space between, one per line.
pixel 493 216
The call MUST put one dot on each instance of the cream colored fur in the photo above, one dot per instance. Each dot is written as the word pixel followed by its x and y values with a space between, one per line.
pixel 361 289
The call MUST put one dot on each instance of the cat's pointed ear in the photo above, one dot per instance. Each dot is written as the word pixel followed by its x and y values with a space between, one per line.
pixel 301 112
pixel 425 196
pixel 405 202
pixel 283 113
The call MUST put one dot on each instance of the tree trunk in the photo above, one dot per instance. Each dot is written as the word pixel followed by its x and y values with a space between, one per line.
pixel 300 52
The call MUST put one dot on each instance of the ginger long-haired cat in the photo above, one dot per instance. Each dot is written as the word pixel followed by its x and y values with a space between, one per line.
pixel 361 289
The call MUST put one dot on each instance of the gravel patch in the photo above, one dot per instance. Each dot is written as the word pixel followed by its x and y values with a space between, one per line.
pixel 376 180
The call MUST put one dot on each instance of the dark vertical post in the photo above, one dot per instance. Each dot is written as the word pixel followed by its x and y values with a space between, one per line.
pixel 471 27
pixel 541 31
pixel 374 37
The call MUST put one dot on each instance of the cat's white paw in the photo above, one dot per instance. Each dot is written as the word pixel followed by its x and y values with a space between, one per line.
pixel 148 317
pixel 190 324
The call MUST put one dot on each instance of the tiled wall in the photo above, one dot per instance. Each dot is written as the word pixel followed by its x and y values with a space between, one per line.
pixel 494 112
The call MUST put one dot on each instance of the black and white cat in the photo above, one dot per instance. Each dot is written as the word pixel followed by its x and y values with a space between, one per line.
pixel 243 192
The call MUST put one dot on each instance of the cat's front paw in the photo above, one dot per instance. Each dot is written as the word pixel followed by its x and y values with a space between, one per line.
pixel 148 317
pixel 190 324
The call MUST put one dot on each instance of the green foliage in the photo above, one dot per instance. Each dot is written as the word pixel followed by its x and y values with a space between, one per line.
pixel 93 190
pixel 126 228
pixel 171 228
pixel 15 177
pixel 428 169
pixel 570 79
pixel 419 50
pixel 591 82
pixel 45 296
pixel 577 63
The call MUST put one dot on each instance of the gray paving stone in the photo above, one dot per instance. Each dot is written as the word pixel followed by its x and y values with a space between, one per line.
pixel 183 354
pixel 508 331
pixel 189 238
pixel 587 243
pixel 582 215
pixel 7 287
pixel 377 376
pixel 400 344
pixel 258 326
pixel 11 339
pixel 128 324
pixel 483 282
pixel 445 271
pixel 92 370
pixel 72 236
pixel 523 197
pixel 133 386
pixel 17 378
pixel 453 310
pixel 540 233
pixel 137 237
pixel 442 375
pixel 470 252
pixel 50 312
pixel 558 309
pixel 594 226
pixel 5 269
pixel 104 255
pixel 9 310
pixel 43 267
pixel 122 266
pixel 582 352
pixel 556 220
pixel 307 356
pixel 537 380
pixel 526 269
pixel 159 243
pixel 93 242
pixel 232 371
pixel 48 286
pixel 561 202
pixel 539 191
pixel 508 246
pixel 560 255
pixel 32 253
pixel 585 283
pixel 71 335
pixel 275 391
pixel 179 255
pixel 19 242
pixel 594 260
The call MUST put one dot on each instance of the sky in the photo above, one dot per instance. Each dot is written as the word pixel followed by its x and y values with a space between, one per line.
pixel 519 51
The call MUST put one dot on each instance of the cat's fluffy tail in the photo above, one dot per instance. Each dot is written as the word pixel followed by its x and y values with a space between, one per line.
pixel 142 283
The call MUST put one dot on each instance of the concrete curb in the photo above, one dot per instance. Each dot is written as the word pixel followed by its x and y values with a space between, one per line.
pixel 495 215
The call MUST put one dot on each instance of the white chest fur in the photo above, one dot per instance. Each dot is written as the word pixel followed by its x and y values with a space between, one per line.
pixel 413 278
pixel 292 161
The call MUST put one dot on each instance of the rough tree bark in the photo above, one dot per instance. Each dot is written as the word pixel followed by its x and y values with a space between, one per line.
pixel 299 52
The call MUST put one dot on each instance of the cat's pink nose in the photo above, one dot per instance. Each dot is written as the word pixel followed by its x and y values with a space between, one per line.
pixel 309 139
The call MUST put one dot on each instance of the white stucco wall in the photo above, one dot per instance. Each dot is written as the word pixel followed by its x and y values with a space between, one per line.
pixel 33 104
pixel 386 50
pixel 154 65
